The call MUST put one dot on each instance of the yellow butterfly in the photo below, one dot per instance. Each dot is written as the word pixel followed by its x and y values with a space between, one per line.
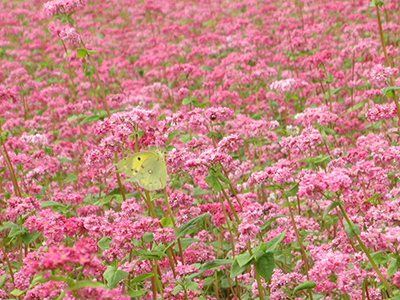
pixel 147 168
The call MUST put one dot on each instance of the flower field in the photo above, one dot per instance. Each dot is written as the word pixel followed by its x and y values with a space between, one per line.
pixel 199 149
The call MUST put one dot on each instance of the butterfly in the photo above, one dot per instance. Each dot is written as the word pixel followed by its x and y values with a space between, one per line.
pixel 147 168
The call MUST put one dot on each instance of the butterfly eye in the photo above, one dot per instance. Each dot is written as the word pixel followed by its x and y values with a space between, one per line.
pixel 139 158
pixel 150 171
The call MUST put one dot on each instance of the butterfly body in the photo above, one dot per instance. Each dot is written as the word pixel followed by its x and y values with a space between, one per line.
pixel 147 168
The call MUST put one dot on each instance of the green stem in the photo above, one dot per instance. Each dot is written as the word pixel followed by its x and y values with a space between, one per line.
pixel 230 204
pixel 303 252
pixel 157 279
pixel 150 205
pixel 173 223
pixel 258 278
pixel 103 94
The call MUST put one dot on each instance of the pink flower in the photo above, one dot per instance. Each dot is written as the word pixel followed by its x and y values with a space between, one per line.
pixel 285 86
pixel 381 112
pixel 320 115
pixel 62 6
pixel 380 74
pixel 320 57
pixel 306 141
pixel 70 34
pixel 20 206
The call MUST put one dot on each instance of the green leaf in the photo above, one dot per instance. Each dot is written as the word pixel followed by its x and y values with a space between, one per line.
pixel 335 91
pixel 243 259
pixel 356 106
pixel 148 237
pixel 372 198
pixel 85 283
pixel 104 243
pixel 113 276
pixel 373 5
pixel 321 158
pixel 315 160
pixel 211 265
pixel 212 134
pixel 200 192
pixel 226 283
pixel 378 257
pixel 70 178
pixel 193 286
pixel 185 228
pixel 191 100
pixel 3 278
pixel 273 243
pixel 149 255
pixel 172 135
pixel 141 277
pixel 389 90
pixel 270 221
pixel 265 265
pixel 90 119
pixel 93 52
pixel 4 134
pixel 207 68
pixel 293 191
pixel 236 269
pixel 210 23
pixel 17 292
pixel 166 222
pixel 329 208
pixel 8 225
pixel 65 279
pixel 63 160
pixel 177 289
pixel 15 232
pixel 48 150
pixel 46 204
pixel 134 294
pixel 29 237
pixel 201 105
pixel 185 242
pixel 393 266
pixel 73 118
pixel 213 182
pixel 81 53
pixel 350 229
pixel 307 285
pixel 223 179
pixel 184 138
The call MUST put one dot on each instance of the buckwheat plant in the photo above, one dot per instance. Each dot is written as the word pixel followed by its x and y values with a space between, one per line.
pixel 279 126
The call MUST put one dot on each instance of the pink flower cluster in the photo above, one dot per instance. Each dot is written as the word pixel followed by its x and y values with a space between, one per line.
pixel 381 74
pixel 381 112
pixel 62 6
pixel 280 177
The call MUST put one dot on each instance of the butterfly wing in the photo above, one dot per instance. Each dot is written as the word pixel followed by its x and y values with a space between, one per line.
pixel 131 165
pixel 153 172
pixel 147 168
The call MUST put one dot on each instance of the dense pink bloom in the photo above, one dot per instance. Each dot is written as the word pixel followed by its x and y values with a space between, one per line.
pixel 381 112
pixel 379 73
pixel 285 86
pixel 321 57
pixel 263 110
pixel 306 141
pixel 21 206
pixel 320 115
pixel 62 6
